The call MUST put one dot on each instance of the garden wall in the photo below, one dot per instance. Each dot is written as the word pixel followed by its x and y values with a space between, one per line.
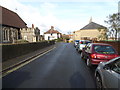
pixel 14 50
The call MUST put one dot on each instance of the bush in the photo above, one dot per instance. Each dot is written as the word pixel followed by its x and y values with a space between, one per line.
pixel 21 41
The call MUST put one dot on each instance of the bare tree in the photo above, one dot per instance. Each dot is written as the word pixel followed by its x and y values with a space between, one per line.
pixel 114 22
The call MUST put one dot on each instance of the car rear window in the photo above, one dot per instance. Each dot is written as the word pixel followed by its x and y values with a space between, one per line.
pixel 103 49
pixel 77 41
pixel 84 42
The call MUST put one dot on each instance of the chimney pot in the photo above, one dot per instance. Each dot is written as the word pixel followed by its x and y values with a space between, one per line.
pixel 32 25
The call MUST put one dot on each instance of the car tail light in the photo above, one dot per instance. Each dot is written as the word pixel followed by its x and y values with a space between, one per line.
pixel 93 56
pixel 81 42
pixel 116 55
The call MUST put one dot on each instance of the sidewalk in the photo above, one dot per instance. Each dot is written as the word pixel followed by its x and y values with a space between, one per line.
pixel 17 60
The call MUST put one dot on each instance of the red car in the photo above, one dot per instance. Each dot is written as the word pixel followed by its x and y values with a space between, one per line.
pixel 94 53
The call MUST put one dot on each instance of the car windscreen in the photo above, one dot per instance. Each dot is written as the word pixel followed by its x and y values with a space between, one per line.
pixel 104 49
pixel 77 41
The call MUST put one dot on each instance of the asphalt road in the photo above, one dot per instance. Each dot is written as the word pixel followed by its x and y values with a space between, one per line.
pixel 60 68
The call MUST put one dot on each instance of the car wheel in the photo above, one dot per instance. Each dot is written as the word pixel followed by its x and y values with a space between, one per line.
pixel 99 82
pixel 88 63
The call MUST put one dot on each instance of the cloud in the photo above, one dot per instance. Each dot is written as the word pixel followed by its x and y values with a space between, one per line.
pixel 44 13
pixel 68 0
pixel 31 15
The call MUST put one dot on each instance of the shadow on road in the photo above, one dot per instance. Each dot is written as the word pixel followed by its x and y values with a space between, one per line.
pixel 77 81
pixel 15 79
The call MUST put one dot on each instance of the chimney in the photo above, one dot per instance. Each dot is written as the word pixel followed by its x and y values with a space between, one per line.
pixel 52 27
pixel 90 20
pixel 32 25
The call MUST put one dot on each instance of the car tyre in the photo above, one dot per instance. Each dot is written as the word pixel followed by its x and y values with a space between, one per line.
pixel 99 82
pixel 88 63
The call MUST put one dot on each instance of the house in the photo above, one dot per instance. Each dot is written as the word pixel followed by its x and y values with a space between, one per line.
pixel 52 34
pixel 91 31
pixel 30 34
pixel 10 25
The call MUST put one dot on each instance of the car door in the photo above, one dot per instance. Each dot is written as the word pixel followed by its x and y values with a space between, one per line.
pixel 111 76
pixel 87 51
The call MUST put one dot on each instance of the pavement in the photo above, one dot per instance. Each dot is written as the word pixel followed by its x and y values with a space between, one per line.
pixel 21 59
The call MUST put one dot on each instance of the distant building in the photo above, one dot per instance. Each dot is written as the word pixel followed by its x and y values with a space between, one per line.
pixel 52 34
pixel 11 25
pixel 91 31
pixel 30 34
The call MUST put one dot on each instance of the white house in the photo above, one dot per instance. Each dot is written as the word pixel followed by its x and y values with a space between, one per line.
pixel 52 34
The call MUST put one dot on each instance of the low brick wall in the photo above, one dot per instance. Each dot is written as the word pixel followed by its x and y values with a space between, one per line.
pixel 14 50
pixel 115 44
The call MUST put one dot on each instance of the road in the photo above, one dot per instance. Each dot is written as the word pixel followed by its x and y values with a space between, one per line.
pixel 60 68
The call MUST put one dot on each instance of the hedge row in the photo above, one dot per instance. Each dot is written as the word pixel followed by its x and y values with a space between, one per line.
pixel 15 50
pixel 115 44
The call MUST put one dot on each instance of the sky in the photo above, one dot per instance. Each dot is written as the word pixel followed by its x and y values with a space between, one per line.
pixel 65 15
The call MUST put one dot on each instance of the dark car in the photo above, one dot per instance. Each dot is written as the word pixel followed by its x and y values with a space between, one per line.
pixel 107 75
pixel 94 53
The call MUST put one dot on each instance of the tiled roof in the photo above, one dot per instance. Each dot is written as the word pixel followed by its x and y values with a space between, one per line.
pixel 51 31
pixel 92 25
pixel 11 18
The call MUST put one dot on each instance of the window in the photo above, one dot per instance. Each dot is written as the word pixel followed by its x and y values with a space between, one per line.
pixel 5 35
pixel 103 49
pixel 116 66
pixel 25 37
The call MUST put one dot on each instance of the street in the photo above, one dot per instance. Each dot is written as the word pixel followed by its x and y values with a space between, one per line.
pixel 60 68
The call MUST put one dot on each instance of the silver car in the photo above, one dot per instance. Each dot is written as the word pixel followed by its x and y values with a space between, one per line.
pixel 81 45
pixel 107 74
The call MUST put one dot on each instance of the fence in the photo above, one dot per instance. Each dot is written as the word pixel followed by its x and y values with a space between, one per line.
pixel 14 50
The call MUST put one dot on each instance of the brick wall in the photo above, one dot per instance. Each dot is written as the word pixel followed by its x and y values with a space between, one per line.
pixel 15 50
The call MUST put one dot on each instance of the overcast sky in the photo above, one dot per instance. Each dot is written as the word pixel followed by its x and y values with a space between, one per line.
pixel 65 15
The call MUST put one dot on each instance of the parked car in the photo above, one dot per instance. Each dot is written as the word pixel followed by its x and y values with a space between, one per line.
pixel 76 42
pixel 94 53
pixel 107 74
pixel 81 45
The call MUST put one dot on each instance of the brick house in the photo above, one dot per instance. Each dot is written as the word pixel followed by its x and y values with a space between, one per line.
pixel 52 34
pixel 10 26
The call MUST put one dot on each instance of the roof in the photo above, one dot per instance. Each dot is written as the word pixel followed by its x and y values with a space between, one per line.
pixel 92 25
pixel 11 18
pixel 101 44
pixel 51 31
